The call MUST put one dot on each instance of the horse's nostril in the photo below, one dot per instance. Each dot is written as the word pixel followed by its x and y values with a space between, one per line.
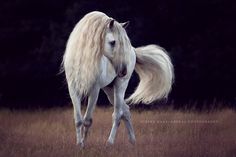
pixel 123 72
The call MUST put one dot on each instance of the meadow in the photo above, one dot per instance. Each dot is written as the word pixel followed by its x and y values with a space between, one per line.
pixel 168 132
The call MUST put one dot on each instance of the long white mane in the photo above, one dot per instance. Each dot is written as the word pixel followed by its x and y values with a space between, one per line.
pixel 84 51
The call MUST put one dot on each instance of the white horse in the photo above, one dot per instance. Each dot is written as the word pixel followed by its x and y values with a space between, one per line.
pixel 99 53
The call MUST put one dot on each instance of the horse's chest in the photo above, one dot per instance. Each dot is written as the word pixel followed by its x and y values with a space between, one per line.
pixel 107 73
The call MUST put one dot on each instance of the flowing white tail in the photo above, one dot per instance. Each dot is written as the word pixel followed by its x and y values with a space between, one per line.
pixel 156 74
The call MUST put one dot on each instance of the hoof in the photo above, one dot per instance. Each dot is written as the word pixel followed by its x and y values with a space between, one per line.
pixel 132 141
pixel 81 144
pixel 109 143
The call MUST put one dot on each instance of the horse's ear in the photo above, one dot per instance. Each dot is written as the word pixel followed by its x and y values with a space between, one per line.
pixel 111 24
pixel 125 24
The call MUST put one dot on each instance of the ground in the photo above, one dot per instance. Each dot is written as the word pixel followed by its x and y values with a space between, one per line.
pixel 49 133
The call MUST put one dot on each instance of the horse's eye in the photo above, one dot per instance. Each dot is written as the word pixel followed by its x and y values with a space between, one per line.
pixel 113 43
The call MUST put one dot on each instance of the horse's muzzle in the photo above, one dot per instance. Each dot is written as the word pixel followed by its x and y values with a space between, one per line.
pixel 122 70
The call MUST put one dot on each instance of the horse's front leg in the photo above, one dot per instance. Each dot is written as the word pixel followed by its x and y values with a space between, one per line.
pixel 76 100
pixel 121 110
pixel 92 99
pixel 127 119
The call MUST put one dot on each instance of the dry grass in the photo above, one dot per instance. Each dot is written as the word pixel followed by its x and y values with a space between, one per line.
pixel 159 133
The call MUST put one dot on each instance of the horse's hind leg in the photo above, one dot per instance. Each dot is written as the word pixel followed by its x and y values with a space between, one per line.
pixel 92 99
pixel 109 91
pixel 76 100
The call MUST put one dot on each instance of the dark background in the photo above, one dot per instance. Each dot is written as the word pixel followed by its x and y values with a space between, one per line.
pixel 198 34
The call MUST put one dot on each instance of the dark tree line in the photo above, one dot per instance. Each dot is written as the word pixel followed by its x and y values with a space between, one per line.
pixel 198 34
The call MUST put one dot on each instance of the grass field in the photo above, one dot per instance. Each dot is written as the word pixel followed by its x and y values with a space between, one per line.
pixel 50 133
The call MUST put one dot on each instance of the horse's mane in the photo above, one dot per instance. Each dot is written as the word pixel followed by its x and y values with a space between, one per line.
pixel 84 51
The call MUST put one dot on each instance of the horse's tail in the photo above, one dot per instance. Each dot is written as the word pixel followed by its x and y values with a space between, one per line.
pixel 156 74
